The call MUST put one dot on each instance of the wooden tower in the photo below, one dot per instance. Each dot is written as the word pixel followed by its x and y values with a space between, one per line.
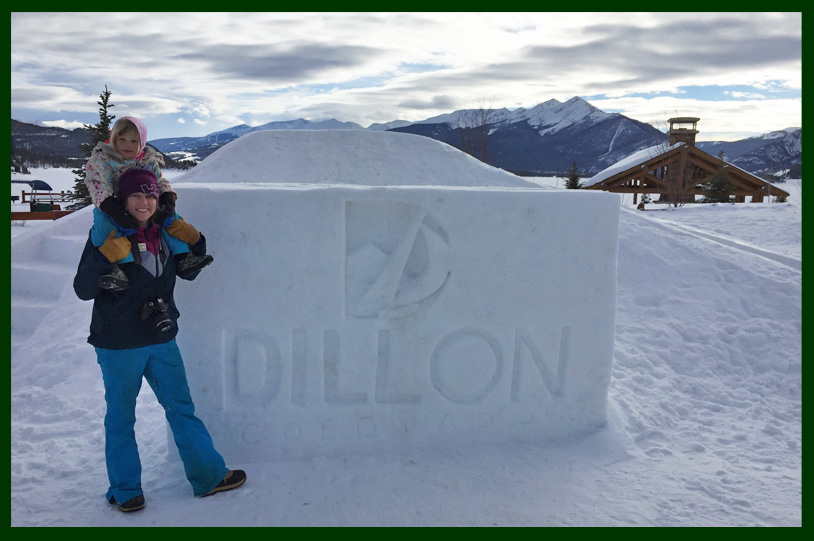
pixel 682 130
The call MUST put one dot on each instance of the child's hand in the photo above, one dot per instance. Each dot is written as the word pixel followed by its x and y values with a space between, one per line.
pixel 166 209
pixel 114 208
pixel 183 231
pixel 115 248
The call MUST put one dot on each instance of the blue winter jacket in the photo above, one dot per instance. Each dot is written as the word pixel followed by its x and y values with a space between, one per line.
pixel 116 322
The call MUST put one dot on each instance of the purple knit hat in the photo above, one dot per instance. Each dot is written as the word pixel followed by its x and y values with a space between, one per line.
pixel 138 180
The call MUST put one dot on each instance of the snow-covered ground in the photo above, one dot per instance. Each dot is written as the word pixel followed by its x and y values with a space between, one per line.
pixel 704 427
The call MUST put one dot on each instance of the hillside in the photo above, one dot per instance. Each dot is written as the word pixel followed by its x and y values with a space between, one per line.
pixel 775 151
pixel 40 145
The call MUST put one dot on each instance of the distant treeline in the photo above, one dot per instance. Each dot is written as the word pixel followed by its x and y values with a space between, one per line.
pixel 23 159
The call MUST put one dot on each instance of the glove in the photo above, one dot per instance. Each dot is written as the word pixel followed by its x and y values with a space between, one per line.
pixel 114 208
pixel 166 209
pixel 183 231
pixel 115 248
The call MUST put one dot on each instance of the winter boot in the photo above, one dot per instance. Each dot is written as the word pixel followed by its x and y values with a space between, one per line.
pixel 190 263
pixel 133 504
pixel 233 479
pixel 115 280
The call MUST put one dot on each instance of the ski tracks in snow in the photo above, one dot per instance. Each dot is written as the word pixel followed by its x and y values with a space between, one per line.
pixel 675 227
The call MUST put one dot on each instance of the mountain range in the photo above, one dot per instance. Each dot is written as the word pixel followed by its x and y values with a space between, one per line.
pixel 544 140
pixel 765 154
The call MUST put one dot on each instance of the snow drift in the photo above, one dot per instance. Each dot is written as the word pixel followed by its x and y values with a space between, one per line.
pixel 354 157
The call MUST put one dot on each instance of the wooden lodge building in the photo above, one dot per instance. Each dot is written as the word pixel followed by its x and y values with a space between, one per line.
pixel 677 171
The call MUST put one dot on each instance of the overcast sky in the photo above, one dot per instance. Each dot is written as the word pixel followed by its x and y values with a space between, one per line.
pixel 190 74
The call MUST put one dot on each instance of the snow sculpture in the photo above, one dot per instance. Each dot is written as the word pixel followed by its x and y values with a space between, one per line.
pixel 347 317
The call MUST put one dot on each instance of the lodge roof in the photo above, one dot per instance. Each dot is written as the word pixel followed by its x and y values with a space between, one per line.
pixel 639 173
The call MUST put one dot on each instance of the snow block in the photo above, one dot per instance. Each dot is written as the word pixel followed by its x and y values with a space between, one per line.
pixel 341 318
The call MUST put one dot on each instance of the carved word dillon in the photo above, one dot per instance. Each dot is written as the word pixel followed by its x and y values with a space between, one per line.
pixel 254 371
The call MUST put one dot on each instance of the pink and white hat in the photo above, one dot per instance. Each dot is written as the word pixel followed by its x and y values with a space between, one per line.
pixel 142 129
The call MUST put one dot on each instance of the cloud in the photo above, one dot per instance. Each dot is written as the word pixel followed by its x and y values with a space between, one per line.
pixel 745 95
pixel 279 64
pixel 436 102
pixel 221 68
pixel 64 124
pixel 56 98
pixel 720 119
pixel 624 57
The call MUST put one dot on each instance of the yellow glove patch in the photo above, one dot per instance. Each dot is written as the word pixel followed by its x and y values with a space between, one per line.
pixel 183 231
pixel 115 248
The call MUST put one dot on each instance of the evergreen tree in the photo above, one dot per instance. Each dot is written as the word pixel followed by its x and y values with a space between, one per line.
pixel 99 132
pixel 718 188
pixel 572 181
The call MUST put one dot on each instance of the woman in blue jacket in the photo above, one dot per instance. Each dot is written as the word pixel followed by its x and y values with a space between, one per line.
pixel 133 332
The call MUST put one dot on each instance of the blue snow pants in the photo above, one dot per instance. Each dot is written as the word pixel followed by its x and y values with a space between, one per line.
pixel 161 365
pixel 103 225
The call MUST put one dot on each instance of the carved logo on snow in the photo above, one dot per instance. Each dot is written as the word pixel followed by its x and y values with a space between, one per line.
pixel 396 258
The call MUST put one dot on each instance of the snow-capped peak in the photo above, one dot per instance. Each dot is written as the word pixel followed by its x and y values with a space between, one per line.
pixel 549 116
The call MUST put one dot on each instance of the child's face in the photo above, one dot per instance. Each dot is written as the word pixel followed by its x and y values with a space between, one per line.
pixel 128 145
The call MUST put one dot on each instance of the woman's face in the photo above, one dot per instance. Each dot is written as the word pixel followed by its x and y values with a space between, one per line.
pixel 141 206
pixel 128 144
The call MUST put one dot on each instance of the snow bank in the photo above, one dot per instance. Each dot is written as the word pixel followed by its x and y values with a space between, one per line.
pixel 357 157
pixel 341 317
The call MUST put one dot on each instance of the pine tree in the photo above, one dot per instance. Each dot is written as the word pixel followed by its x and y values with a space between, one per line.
pixel 572 181
pixel 99 132
pixel 719 188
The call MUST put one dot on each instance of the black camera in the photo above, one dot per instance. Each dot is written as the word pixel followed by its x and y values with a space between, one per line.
pixel 157 313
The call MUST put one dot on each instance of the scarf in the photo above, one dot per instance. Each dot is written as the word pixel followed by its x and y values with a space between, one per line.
pixel 150 236
pixel 148 239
